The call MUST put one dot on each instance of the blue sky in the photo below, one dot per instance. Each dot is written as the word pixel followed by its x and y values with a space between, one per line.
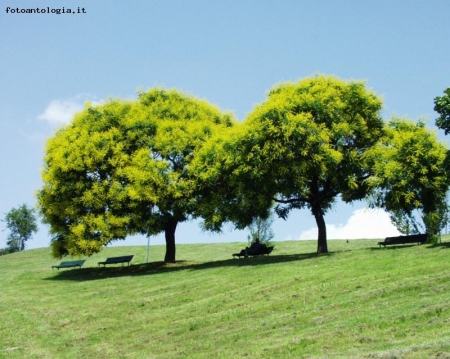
pixel 227 52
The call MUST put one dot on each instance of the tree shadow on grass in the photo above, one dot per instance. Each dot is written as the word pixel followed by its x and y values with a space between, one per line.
pixel 154 268
pixel 426 245
pixel 442 245
pixel 392 247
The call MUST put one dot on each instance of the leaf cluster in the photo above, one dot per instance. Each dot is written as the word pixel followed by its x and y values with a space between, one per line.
pixel 442 106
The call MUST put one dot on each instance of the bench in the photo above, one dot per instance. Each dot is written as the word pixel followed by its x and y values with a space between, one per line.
pixel 414 238
pixel 69 264
pixel 115 260
pixel 247 253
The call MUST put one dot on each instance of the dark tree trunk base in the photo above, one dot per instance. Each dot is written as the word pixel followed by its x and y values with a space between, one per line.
pixel 322 245
pixel 169 232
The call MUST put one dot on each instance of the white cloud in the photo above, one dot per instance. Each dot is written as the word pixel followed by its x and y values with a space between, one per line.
pixel 363 223
pixel 60 112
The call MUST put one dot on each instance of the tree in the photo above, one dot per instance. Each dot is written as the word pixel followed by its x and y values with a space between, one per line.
pixel 21 222
pixel 121 168
pixel 409 176
pixel 302 148
pixel 442 106
pixel 261 228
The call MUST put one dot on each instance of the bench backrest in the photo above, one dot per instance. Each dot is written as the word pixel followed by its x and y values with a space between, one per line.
pixel 119 259
pixel 72 263
pixel 414 238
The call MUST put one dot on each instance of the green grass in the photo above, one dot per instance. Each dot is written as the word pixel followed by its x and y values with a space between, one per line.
pixel 359 301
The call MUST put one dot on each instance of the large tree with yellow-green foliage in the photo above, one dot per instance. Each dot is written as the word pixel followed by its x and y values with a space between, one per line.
pixel 301 148
pixel 121 168
pixel 409 176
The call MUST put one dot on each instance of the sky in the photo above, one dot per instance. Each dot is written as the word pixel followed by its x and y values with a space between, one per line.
pixel 229 53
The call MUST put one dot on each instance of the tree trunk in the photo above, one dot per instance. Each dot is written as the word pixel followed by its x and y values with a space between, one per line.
pixel 322 246
pixel 169 232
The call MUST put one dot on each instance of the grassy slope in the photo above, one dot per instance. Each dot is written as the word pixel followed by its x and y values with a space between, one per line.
pixel 359 301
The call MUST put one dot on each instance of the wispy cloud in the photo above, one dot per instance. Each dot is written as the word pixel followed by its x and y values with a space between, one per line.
pixel 363 223
pixel 61 111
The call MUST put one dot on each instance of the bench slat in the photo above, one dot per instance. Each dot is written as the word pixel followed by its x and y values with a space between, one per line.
pixel 115 260
pixel 69 264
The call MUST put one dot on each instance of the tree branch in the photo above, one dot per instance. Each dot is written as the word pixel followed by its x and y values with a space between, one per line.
pixel 291 200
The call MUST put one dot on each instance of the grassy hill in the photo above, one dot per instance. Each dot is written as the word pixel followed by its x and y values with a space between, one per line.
pixel 357 302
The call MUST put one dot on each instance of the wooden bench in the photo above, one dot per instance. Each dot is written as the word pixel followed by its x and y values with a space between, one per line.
pixel 69 264
pixel 246 253
pixel 115 260
pixel 414 238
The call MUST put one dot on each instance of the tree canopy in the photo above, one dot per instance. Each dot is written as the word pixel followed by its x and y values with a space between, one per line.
pixel 301 148
pixel 121 168
pixel 21 223
pixel 442 106
pixel 261 228
pixel 409 175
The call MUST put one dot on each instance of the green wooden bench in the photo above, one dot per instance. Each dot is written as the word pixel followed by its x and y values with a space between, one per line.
pixel 115 260
pixel 414 238
pixel 69 264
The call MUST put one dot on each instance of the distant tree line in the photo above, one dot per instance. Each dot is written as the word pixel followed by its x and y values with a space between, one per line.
pixel 144 166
